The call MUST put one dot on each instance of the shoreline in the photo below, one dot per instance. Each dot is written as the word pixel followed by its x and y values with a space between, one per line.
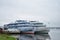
pixel 6 37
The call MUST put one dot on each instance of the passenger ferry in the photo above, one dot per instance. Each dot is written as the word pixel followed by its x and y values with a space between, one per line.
pixel 27 26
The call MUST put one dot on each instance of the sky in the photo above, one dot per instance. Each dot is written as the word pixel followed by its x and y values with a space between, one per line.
pixel 47 11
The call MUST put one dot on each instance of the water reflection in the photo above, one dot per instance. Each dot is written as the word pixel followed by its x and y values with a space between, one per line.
pixel 54 34
pixel 34 37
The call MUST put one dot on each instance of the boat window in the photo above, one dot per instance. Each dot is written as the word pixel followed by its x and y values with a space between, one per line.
pixel 37 23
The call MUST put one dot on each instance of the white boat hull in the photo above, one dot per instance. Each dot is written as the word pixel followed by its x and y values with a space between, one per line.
pixel 12 31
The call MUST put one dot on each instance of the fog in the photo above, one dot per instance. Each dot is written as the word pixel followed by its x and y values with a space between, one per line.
pixel 46 11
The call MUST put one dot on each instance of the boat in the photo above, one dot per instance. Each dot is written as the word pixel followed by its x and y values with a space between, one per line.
pixel 39 27
pixel 12 30
pixel 27 26
pixel 27 30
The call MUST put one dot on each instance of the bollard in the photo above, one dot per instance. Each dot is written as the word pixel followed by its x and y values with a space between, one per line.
pixel 17 38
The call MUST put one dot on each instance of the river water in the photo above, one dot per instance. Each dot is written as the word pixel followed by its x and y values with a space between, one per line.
pixel 54 34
